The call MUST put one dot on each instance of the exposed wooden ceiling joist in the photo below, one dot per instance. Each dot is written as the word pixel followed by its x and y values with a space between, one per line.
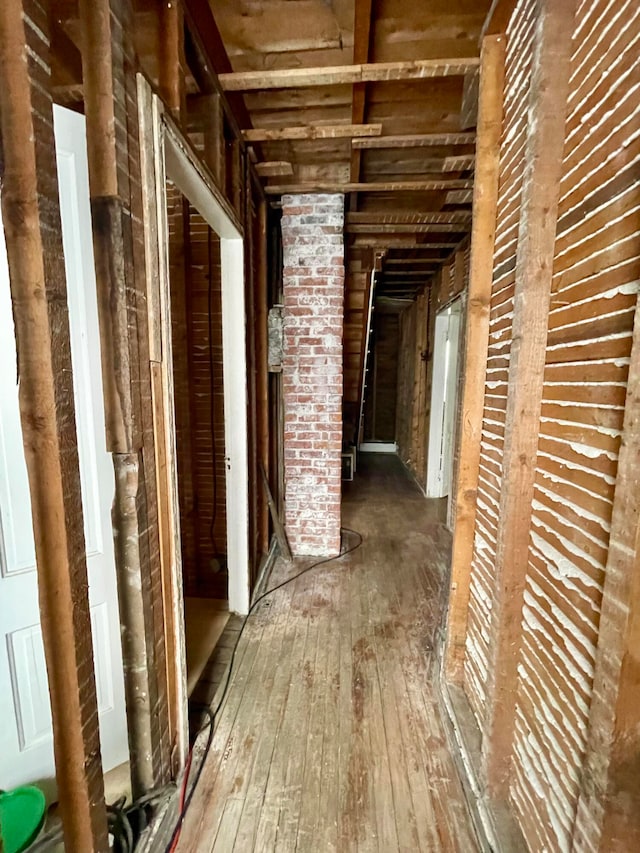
pixel 460 196
pixel 322 131
pixel 382 243
pixel 458 163
pixel 377 186
pixel 377 72
pixel 361 41
pixel 416 140
pixel 402 275
pixel 274 169
pixel 385 217
pixel 373 228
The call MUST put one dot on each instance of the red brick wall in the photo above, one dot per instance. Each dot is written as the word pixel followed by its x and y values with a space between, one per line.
pixel 313 279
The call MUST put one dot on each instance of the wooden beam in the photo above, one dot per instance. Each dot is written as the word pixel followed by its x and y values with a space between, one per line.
pixel 378 186
pixel 416 140
pixel 322 131
pixel 361 43
pixel 46 397
pixel 477 341
pixel 103 47
pixel 459 197
pixel 498 17
pixel 380 72
pixel 398 274
pixel 204 30
pixel 274 169
pixel 205 113
pixel 414 263
pixel 405 229
pixel 397 243
pixel 171 57
pixel 533 276
pixel 401 217
pixel 66 62
pixel 458 164
pixel 469 108
pixel 609 800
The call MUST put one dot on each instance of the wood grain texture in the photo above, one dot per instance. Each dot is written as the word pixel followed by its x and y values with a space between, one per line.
pixel 418 69
pixel 477 339
pixel 532 293
pixel 37 277
pixel 330 738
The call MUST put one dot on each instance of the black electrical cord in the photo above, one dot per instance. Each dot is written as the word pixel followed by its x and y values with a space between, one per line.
pixel 213 714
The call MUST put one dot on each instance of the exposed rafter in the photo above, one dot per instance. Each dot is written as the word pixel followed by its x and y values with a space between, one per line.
pixel 322 131
pixel 380 72
pixel 458 163
pixel 361 41
pixel 397 243
pixel 377 186
pixel 394 228
pixel 404 218
pixel 416 140
pixel 274 169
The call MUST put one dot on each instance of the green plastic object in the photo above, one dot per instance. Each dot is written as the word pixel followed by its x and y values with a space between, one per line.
pixel 22 813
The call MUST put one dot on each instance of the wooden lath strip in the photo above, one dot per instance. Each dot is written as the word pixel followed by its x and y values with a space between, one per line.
pixel 380 72
pixel 322 131
pixel 379 186
pixel 416 140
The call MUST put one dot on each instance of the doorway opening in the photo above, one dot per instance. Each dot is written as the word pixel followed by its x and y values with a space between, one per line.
pixel 195 284
pixel 196 294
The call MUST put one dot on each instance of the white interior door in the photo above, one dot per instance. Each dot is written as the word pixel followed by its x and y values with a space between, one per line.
pixel 443 401
pixel 26 748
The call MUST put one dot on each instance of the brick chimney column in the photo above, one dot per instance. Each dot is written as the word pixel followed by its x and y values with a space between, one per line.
pixel 313 244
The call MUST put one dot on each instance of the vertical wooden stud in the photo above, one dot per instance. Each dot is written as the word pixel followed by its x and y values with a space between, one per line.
pixel 38 292
pixel 485 201
pixel 102 26
pixel 534 268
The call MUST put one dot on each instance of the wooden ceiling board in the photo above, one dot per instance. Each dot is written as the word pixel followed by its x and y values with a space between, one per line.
pixel 261 34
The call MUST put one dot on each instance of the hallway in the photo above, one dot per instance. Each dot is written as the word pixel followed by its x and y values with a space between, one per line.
pixel 330 738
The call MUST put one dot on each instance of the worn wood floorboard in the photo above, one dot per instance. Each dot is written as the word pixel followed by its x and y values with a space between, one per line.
pixel 330 738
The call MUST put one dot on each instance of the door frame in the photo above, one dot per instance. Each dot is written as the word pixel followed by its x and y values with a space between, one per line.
pixel 166 154
pixel 443 398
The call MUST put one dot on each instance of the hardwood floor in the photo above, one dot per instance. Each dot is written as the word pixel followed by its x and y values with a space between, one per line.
pixel 330 738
